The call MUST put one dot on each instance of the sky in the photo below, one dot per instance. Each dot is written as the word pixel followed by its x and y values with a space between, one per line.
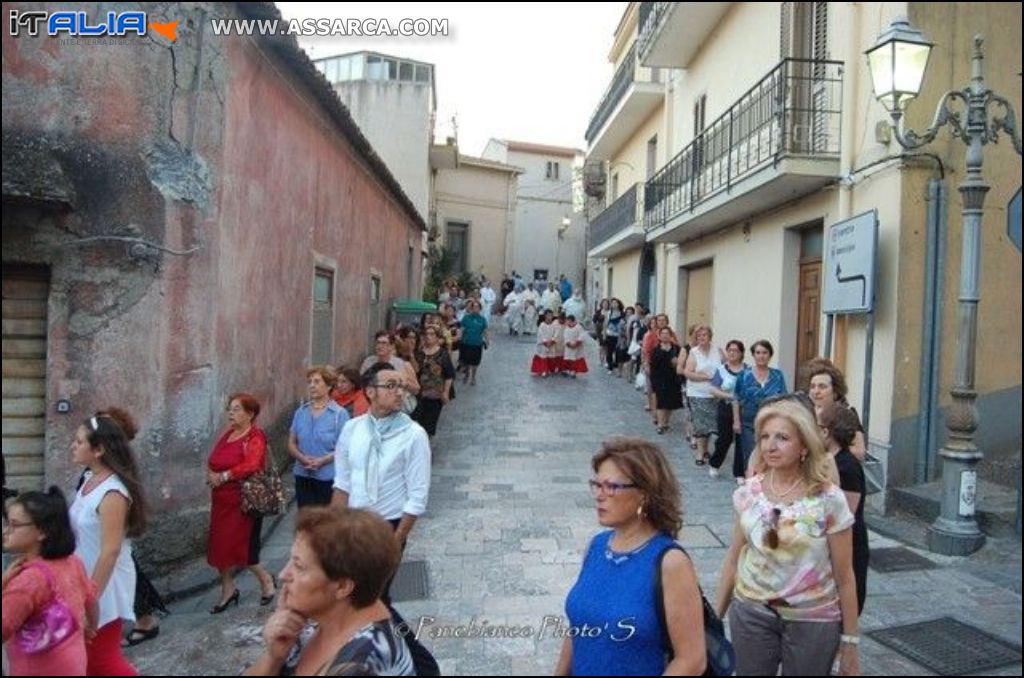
pixel 524 71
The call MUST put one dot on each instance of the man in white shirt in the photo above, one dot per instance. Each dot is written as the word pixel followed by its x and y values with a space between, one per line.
pixel 382 459
pixel 382 463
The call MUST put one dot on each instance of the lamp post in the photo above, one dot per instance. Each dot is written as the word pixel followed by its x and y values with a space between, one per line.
pixel 897 63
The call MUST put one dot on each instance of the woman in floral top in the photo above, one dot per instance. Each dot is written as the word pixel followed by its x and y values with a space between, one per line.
pixel 436 374
pixel 789 572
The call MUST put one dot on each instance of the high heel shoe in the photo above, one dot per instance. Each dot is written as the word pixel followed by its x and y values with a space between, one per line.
pixel 220 607
pixel 265 600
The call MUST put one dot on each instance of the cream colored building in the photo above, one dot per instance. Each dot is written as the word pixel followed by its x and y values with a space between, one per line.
pixel 547 238
pixel 771 134
pixel 625 147
pixel 475 208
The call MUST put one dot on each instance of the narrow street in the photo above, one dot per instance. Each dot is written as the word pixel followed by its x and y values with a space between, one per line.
pixel 509 516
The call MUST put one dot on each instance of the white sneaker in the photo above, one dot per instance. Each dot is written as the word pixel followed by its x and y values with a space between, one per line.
pixel 713 472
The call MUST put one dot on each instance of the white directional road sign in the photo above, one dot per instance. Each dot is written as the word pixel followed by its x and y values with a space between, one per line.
pixel 849 270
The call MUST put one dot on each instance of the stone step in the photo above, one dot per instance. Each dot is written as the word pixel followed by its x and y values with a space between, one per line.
pixel 996 505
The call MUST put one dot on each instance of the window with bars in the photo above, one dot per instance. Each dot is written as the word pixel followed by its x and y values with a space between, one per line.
pixel 322 341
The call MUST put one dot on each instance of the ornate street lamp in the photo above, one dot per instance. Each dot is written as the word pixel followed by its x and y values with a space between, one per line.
pixel 897 63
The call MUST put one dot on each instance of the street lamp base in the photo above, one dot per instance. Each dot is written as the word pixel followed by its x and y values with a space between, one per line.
pixel 954 539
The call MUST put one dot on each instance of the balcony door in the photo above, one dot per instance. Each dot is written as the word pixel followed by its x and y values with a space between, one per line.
pixel 804 38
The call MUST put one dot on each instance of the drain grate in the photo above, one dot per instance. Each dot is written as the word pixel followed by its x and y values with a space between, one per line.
pixel 899 559
pixel 948 647
pixel 410 582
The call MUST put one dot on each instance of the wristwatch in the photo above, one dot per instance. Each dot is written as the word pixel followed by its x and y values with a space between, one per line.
pixel 849 639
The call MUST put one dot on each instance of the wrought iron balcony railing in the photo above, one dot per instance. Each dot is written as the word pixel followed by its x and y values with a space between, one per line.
pixel 793 111
pixel 618 216
pixel 628 72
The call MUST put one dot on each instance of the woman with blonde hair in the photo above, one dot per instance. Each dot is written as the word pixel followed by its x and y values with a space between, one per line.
pixel 637 497
pixel 788 581
pixel 700 368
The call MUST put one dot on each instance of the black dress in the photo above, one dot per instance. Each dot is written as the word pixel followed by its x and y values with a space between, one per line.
pixel 664 380
pixel 851 479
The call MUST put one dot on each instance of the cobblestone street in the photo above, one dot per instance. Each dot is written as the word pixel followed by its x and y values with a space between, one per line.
pixel 509 516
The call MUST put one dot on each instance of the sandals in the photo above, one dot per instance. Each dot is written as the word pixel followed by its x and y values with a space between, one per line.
pixel 136 636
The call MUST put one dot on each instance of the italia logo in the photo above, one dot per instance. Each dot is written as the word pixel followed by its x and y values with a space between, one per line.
pixel 78 24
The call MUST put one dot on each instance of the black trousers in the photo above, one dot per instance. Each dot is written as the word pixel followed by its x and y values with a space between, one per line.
pixel 724 439
pixel 312 492
pixel 424 662
pixel 147 598
pixel 611 351
pixel 427 414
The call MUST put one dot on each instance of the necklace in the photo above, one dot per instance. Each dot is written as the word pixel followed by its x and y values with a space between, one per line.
pixel 780 495
pixel 619 557
pixel 95 480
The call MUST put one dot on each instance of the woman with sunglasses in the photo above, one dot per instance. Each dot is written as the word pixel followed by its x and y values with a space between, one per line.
pixel 788 581
pixel 637 497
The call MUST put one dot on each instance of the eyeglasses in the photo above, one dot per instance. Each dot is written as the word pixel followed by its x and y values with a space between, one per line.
pixel 771 537
pixel 13 524
pixel 610 488
pixel 390 385
pixel 236 408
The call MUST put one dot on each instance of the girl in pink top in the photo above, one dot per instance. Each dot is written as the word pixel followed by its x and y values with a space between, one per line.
pixel 36 525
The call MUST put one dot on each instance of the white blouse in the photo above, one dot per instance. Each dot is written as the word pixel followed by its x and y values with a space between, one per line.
pixel 117 599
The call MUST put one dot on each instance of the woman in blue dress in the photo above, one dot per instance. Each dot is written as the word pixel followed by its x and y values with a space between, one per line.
pixel 614 627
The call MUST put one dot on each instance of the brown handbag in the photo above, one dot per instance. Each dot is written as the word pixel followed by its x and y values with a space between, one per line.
pixel 263 491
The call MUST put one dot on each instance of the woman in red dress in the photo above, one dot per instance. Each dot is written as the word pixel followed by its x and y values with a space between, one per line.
pixel 234 535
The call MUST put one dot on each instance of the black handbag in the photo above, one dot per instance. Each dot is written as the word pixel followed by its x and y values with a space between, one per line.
pixel 721 657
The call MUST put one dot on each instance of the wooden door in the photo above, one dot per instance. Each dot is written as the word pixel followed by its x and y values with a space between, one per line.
pixel 809 315
pixel 698 300
pixel 25 292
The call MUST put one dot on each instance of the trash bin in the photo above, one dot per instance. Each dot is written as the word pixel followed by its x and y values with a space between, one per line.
pixel 409 312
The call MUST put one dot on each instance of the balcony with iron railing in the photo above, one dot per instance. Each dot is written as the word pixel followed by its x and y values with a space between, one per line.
pixel 670 34
pixel 634 93
pixel 779 141
pixel 619 227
